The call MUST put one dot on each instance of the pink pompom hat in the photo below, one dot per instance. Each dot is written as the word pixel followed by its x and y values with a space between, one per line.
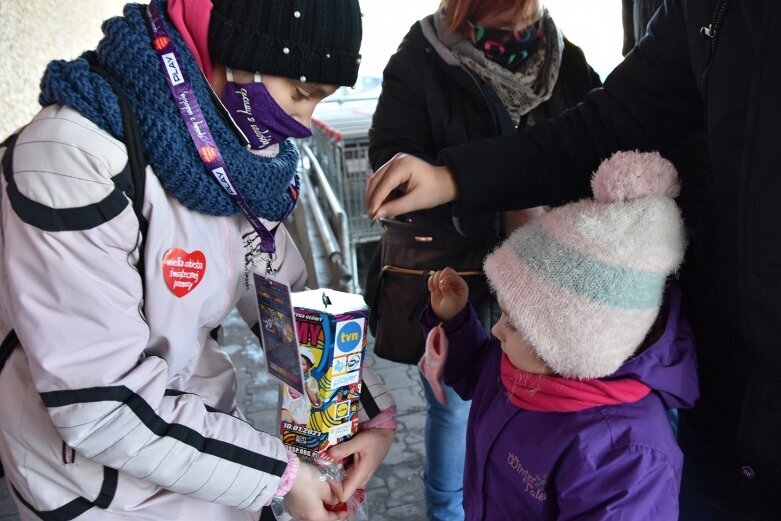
pixel 584 282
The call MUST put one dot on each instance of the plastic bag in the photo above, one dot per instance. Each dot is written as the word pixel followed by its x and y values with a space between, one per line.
pixel 355 506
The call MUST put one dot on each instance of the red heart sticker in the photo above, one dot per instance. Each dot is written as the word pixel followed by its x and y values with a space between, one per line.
pixel 183 271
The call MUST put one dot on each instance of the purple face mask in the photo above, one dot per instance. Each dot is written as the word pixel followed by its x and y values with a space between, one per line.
pixel 259 117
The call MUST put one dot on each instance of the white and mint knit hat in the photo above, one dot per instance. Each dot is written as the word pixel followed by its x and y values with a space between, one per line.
pixel 584 282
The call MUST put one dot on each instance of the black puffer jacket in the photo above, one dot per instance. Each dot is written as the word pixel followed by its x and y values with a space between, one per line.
pixel 429 101
pixel 711 63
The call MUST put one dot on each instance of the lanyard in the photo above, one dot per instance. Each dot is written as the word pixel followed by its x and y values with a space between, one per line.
pixel 194 120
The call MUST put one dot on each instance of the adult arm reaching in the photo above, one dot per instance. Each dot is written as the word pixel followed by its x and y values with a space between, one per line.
pixel 424 186
pixel 651 101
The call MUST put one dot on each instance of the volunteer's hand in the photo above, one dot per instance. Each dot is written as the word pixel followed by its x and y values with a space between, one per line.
pixel 305 500
pixel 368 448
pixel 449 293
pixel 424 186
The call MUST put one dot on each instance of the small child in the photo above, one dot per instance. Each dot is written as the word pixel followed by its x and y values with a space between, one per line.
pixel 569 400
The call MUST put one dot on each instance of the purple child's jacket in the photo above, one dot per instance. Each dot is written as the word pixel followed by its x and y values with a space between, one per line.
pixel 605 463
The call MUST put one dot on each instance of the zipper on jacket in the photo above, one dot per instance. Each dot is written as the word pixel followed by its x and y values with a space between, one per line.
pixel 68 454
pixel 420 301
pixel 411 271
pixel 710 31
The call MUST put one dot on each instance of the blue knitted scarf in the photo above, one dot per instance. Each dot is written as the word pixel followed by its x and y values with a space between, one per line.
pixel 126 54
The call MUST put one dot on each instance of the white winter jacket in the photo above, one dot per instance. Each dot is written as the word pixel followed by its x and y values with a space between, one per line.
pixel 120 405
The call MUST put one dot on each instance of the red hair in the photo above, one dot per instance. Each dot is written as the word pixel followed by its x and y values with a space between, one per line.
pixel 460 12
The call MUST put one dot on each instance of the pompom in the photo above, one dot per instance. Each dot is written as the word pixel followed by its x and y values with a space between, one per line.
pixel 633 175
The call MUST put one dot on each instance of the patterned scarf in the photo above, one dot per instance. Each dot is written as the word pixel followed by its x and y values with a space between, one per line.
pixel 519 91
pixel 126 54
pixel 507 47
pixel 537 392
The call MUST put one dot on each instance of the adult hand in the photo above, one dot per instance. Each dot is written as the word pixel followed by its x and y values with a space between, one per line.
pixel 449 293
pixel 305 500
pixel 368 449
pixel 424 186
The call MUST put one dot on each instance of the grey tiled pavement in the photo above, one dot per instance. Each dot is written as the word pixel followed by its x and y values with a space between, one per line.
pixel 396 490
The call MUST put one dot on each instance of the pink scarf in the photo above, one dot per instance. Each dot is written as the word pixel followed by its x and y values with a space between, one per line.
pixel 191 19
pixel 545 393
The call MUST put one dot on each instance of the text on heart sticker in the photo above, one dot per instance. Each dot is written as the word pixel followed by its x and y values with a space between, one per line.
pixel 183 271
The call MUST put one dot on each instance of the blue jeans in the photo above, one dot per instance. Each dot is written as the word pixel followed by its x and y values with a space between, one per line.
pixel 443 472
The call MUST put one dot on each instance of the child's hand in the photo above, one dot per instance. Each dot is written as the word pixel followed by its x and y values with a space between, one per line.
pixel 368 448
pixel 305 500
pixel 449 293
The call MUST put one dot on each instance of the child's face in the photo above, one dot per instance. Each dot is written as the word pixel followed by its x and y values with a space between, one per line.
pixel 297 98
pixel 517 349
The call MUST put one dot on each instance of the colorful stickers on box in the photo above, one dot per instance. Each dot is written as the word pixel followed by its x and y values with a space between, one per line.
pixel 332 349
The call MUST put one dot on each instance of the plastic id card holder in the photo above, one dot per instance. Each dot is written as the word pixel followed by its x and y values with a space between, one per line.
pixel 278 331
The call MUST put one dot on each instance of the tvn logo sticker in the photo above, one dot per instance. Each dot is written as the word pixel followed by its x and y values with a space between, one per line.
pixel 349 336
pixel 172 68
pixel 219 173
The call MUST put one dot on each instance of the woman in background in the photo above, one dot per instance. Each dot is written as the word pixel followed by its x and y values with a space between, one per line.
pixel 471 70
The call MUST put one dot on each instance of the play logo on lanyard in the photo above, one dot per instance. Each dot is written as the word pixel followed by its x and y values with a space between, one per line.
pixel 183 271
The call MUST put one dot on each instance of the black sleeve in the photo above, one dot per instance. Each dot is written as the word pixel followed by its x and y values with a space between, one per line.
pixel 401 121
pixel 649 102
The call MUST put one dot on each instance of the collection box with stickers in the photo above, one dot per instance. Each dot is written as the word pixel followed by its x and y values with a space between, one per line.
pixel 331 332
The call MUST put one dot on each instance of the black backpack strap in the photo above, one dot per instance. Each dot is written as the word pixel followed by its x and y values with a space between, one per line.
pixel 137 163
pixel 10 140
pixel 7 347
pixel 10 341
pixel 9 143
pixel 135 158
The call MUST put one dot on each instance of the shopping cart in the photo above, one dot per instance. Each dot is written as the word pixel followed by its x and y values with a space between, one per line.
pixel 340 144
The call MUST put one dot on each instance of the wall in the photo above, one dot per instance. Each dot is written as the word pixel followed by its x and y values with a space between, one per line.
pixel 34 32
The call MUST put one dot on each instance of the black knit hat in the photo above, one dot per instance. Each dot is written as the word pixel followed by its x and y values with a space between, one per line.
pixel 308 40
